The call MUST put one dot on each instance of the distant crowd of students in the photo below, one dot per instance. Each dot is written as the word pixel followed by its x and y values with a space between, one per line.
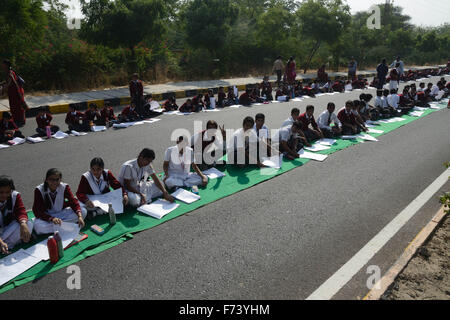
pixel 184 163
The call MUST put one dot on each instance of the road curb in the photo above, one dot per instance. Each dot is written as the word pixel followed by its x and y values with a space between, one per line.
pixel 83 105
pixel 385 283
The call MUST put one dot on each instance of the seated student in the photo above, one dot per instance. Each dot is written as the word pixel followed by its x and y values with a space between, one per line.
pixel 315 87
pixel 307 119
pixel 242 146
pixel 134 176
pixel 197 102
pixel 231 96
pixel 245 99
pixel 347 118
pixel 97 181
pixel 338 85
pixel 434 91
pixel 281 94
pixel 170 105
pixel 222 101
pixel 290 140
pixel 367 111
pixel 187 106
pixel 8 128
pixel 255 95
pixel 326 87
pixel 43 120
pixel 107 117
pixel 326 118
pixel 91 116
pixel 348 86
pixel 298 88
pixel 129 114
pixel 294 115
pixel 150 107
pixel 262 132
pixel 74 120
pixel 360 121
pixel 205 144
pixel 207 99
pixel 55 203
pixel 381 104
pixel 410 76
pixel 266 89
pixel 405 103
pixel 309 90
pixel 392 111
pixel 178 161
pixel 14 224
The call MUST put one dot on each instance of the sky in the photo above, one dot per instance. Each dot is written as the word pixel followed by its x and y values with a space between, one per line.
pixel 423 12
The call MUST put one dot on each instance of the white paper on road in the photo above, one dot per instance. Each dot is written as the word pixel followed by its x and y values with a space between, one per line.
pixel 39 250
pixel 275 101
pixel 158 209
pixel 273 162
pixel 60 135
pixel 114 197
pixel 151 121
pixel 122 125
pixel 77 134
pixel 419 109
pixel 183 113
pixel 297 99
pixel 185 196
pixel 257 104
pixel 35 140
pixel 154 105
pixel 327 142
pixel 396 119
pixel 213 173
pixel 212 102
pixel 348 137
pixel 367 137
pixel 98 128
pixel 317 147
pixel 3 146
pixel 18 141
pixel 313 156
pixel 212 110
pixel 235 106
pixel 416 114
pixel 375 131
pixel 15 264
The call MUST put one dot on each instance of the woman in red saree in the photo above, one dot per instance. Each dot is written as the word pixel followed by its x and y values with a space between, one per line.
pixel 16 94
pixel 290 71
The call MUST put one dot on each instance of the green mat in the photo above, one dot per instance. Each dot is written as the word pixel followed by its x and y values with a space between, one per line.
pixel 132 221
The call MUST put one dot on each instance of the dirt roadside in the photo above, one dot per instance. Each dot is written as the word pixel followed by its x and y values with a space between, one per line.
pixel 427 275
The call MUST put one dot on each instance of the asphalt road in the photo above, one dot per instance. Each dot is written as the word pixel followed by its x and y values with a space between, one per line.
pixel 278 240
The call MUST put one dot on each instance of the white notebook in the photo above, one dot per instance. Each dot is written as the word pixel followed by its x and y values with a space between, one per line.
pixel 158 209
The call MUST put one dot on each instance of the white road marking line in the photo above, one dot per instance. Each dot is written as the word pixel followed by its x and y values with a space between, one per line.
pixel 335 283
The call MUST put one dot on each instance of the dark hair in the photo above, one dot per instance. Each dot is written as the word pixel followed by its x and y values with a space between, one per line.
pixel 362 96
pixel 368 97
pixel 147 154
pixel 50 172
pixel 248 120
pixel 6 115
pixel 349 103
pixel 379 93
pixel 98 162
pixel 309 107
pixel 297 125
pixel 6 181
pixel 331 104
pixel 385 91
pixel 260 116
pixel 212 123
pixel 356 103
pixel 295 110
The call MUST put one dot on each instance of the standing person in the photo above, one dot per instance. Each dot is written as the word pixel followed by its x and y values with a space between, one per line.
pixel 137 93
pixel 290 71
pixel 382 71
pixel 16 94
pixel 134 176
pixel 322 75
pixel 400 66
pixel 14 224
pixel 55 203
pixel 352 66
pixel 278 68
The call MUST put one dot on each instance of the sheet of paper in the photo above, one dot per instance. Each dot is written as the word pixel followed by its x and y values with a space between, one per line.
pixel 416 114
pixel 212 102
pixel 98 128
pixel 35 140
pixel 375 131
pixel 39 250
pixel 313 156
pixel 419 109
pixel 154 105
pixel 348 137
pixel 213 173
pixel 122 125
pixel 327 142
pixel 273 162
pixel 212 110
pixel 172 112
pixel 235 106
pixel 114 197
pixel 185 196
pixel 14 264
pixel 3 146
pixel 137 123
pixel 77 134
pixel 158 209
pixel 317 147
pixel 297 99
pixel 18 141
pixel 60 135
pixel 68 231
pixel 148 121
pixel 367 137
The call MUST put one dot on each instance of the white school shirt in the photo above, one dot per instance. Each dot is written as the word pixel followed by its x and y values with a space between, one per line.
pixel 7 212
pixel 348 87
pixel 384 102
pixel 322 120
pixel 179 164
pixel 263 132
pixel 58 204
pixel 434 90
pixel 97 186
pixel 241 139
pixel 393 100
pixel 131 171
pixel 288 122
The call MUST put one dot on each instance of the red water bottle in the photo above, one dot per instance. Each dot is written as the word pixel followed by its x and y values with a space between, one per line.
pixel 52 250
pixel 48 131
pixel 58 240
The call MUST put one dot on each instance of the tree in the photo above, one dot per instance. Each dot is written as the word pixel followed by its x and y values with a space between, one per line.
pixel 323 21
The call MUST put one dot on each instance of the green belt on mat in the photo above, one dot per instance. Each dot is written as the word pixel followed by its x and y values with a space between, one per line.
pixel 131 221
